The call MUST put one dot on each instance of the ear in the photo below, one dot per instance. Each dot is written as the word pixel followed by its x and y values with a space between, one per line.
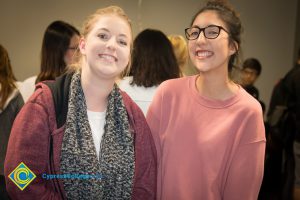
pixel 82 44
pixel 233 48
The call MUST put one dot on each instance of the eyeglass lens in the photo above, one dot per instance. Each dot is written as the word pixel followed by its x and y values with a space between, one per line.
pixel 210 32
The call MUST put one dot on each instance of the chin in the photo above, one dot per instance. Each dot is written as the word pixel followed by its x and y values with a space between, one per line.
pixel 202 68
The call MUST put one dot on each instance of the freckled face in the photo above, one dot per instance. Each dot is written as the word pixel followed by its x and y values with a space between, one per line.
pixel 210 54
pixel 107 46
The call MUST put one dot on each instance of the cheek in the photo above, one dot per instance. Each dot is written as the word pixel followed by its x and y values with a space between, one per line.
pixel 68 57
pixel 191 49
pixel 126 54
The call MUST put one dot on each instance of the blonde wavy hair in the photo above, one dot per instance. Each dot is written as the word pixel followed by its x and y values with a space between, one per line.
pixel 89 24
pixel 180 49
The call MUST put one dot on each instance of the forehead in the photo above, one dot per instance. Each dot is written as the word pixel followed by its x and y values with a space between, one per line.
pixel 112 23
pixel 208 17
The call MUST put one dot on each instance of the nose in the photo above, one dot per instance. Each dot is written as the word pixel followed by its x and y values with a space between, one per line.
pixel 201 37
pixel 111 43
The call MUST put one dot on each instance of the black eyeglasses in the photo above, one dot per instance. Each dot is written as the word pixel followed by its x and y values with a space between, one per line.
pixel 210 32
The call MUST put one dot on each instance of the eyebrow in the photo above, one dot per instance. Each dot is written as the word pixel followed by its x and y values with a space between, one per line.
pixel 107 30
pixel 205 26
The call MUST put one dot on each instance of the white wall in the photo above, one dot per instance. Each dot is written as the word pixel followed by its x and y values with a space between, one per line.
pixel 269 28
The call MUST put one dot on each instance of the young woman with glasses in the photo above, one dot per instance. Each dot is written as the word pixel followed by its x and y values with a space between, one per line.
pixel 208 131
pixel 59 45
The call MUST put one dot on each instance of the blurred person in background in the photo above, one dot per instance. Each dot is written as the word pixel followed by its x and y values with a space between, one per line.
pixel 251 70
pixel 282 179
pixel 11 102
pixel 59 49
pixel 181 52
pixel 153 61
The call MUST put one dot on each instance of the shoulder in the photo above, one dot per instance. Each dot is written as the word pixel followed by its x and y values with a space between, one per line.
pixel 295 75
pixel 13 105
pixel 27 87
pixel 40 101
pixel 249 118
pixel 176 82
pixel 30 80
pixel 136 116
pixel 175 86
pixel 13 99
pixel 125 81
pixel 172 91
pixel 42 94
pixel 18 101
pixel 28 83
pixel 131 107
pixel 124 84
pixel 249 104
pixel 39 109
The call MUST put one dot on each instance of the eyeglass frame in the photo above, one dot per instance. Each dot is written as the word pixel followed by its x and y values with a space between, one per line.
pixel 203 29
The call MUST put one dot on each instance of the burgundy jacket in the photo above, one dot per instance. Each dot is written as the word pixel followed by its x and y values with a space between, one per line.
pixel 36 141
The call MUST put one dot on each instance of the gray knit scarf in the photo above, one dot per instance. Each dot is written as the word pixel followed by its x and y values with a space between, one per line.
pixel 110 177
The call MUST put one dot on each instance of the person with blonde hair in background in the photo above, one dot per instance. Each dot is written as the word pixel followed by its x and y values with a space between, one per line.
pixel 84 126
pixel 181 51
pixel 11 102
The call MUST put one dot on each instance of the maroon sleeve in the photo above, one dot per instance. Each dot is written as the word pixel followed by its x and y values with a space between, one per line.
pixel 145 154
pixel 29 143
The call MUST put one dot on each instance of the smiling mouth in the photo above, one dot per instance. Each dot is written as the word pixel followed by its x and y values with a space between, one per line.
pixel 204 54
pixel 108 58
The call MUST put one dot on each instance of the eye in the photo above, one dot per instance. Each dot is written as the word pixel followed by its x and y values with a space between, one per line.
pixel 212 31
pixel 194 33
pixel 122 42
pixel 103 36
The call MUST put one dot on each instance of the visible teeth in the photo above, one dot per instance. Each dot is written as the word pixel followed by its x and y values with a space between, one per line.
pixel 108 57
pixel 204 53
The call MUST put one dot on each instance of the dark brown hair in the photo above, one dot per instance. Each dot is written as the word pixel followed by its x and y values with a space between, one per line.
pixel 55 44
pixel 7 78
pixel 232 21
pixel 153 59
pixel 254 64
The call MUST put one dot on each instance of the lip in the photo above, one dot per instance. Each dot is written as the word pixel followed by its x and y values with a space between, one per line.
pixel 108 57
pixel 203 54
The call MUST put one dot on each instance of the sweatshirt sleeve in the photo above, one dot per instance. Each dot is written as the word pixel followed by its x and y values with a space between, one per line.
pixel 29 143
pixel 246 169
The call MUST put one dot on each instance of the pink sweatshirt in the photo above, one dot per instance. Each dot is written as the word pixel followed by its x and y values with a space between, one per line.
pixel 207 149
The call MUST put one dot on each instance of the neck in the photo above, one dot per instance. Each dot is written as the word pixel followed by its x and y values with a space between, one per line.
pixel 96 91
pixel 215 87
